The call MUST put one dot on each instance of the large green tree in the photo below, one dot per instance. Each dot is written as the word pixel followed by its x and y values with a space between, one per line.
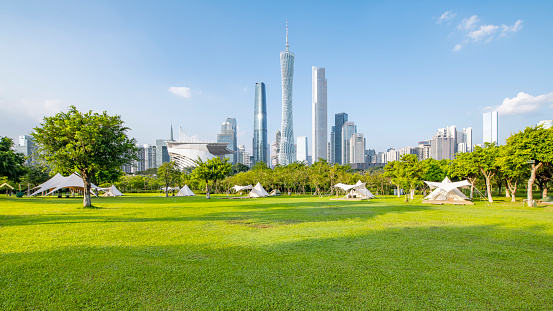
pixel 86 143
pixel 463 167
pixel 406 173
pixel 11 162
pixel 512 168
pixel 534 146
pixel 210 171
pixel 169 174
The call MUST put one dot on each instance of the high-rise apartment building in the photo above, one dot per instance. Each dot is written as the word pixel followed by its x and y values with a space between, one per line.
pixel 301 151
pixel 287 153
pixel 275 149
pixel 339 120
pixel 162 155
pixel 319 119
pixel 444 144
pixel 357 148
pixel 490 127
pixel 228 135
pixel 243 156
pixel 464 140
pixel 348 129
pixel 423 150
pixel 260 145
pixel 27 147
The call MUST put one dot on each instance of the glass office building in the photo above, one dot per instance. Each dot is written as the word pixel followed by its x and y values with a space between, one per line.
pixel 319 106
pixel 260 149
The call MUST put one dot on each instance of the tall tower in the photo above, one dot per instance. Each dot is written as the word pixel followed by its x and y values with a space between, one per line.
pixel 490 127
pixel 319 122
pixel 287 153
pixel 228 135
pixel 339 120
pixel 260 152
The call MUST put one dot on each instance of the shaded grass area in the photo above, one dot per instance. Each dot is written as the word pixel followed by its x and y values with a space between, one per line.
pixel 153 253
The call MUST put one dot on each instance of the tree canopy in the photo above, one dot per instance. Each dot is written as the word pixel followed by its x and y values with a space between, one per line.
pixel 11 162
pixel 86 143
pixel 211 170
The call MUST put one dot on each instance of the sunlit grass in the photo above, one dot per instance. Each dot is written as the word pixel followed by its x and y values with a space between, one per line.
pixel 151 252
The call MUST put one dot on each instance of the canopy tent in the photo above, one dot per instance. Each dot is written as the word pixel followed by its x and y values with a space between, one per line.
pixel 258 192
pixel 73 182
pixel 6 185
pixel 170 188
pixel 111 191
pixel 185 192
pixel 355 191
pixel 275 192
pixel 446 192
pixel 240 188
pixel 49 184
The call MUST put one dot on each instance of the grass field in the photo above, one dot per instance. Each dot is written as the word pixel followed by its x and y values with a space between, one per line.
pixel 283 253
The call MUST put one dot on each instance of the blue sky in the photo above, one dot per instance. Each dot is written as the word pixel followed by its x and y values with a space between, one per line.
pixel 400 69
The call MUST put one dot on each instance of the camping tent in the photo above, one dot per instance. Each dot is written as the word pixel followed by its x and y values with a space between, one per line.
pixel 258 192
pixel 356 191
pixel 73 182
pixel 185 192
pixel 111 191
pixel 447 192
pixel 240 188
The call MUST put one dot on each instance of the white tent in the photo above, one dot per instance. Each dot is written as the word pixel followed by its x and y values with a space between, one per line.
pixel 49 184
pixel 185 192
pixel 447 192
pixel 356 191
pixel 258 192
pixel 111 191
pixel 73 181
pixel 240 188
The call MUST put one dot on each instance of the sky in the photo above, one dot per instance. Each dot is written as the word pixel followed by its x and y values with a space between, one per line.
pixel 400 69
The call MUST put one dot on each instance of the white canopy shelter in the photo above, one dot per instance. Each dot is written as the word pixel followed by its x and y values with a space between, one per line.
pixel 447 192
pixel 185 192
pixel 111 191
pixel 49 184
pixel 258 192
pixel 240 188
pixel 73 181
pixel 355 191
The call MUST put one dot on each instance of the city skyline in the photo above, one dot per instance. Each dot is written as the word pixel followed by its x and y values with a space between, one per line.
pixel 458 65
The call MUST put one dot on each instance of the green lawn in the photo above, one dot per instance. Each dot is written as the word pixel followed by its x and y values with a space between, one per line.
pixel 285 253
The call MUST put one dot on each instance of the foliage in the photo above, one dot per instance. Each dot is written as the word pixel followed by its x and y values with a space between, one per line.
pixel 35 175
pixel 463 167
pixel 239 168
pixel 86 143
pixel 169 174
pixel 11 162
pixel 485 159
pixel 406 173
pixel 210 171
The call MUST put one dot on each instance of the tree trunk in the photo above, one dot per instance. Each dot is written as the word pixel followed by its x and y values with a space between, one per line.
pixel 530 196
pixel 86 191
pixel 544 193
pixel 207 191
pixel 513 189
pixel 507 195
pixel 398 193
pixel 471 191
pixel 489 188
pixel 412 193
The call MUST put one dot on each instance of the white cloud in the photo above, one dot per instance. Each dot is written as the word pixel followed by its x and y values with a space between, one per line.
pixel 468 23
pixel 457 48
pixel 447 16
pixel 521 104
pixel 485 31
pixel 506 29
pixel 181 91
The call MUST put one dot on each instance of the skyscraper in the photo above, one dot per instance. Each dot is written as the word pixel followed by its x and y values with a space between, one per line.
pixel 228 135
pixel 260 152
pixel 490 127
pixel 339 120
pixel 319 122
pixel 444 144
pixel 348 129
pixel 287 153
pixel 302 149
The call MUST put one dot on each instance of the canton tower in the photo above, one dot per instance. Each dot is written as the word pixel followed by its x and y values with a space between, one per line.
pixel 287 153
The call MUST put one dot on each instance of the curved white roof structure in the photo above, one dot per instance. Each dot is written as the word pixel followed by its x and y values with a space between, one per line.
pixel 356 191
pixel 184 154
pixel 447 192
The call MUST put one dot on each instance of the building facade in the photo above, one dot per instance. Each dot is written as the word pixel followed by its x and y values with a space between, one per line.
pixel 162 156
pixel 339 120
pixel 287 152
pixel 357 149
pixel 260 144
pixel 319 113
pixel 348 129
pixel 444 144
pixel 301 151
pixel 27 147
pixel 228 135
pixel 490 127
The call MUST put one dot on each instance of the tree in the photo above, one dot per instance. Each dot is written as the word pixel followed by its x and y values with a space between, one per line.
pixel 407 173
pixel 534 146
pixel 86 143
pixel 512 168
pixel 11 162
pixel 485 160
pixel 168 173
pixel 210 171
pixel 319 175
pixel 463 167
